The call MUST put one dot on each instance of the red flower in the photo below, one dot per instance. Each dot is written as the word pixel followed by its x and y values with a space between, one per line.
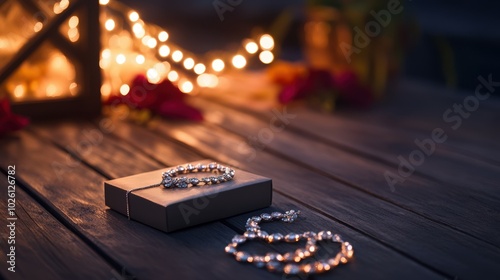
pixel 164 99
pixel 351 91
pixel 345 86
pixel 304 86
pixel 8 121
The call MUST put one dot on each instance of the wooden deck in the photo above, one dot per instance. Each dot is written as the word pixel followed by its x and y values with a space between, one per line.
pixel 442 222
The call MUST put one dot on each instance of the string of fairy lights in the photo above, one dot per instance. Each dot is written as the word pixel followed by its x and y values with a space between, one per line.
pixel 130 45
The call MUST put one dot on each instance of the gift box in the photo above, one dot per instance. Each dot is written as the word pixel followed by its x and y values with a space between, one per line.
pixel 171 209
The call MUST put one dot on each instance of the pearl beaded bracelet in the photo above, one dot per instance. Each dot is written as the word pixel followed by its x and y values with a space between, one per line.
pixel 288 262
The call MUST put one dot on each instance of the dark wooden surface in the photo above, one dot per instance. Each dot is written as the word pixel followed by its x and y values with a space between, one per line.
pixel 442 222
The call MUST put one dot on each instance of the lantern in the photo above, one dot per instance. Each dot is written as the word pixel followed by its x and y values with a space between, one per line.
pixel 49 57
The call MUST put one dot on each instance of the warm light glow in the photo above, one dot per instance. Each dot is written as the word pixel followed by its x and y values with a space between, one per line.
pixel 162 68
pixel 120 59
pixel 218 65
pixel 199 68
pixel 151 43
pixel 64 4
pixel 173 76
pixel 153 76
pixel 106 53
pixel 124 89
pixel 140 59
pixel 266 42
pixel 103 2
pixel 104 63
pixel 186 87
pixel 145 40
pixel 109 24
pixel 163 36
pixel 19 91
pixel 188 63
pixel 57 8
pixel 266 57
pixel 239 61
pixel 73 34
pixel 73 89
pixel 177 56
pixel 106 89
pixel 207 80
pixel 164 51
pixel 51 90
pixel 38 26
pixel 251 47
pixel 138 30
pixel 133 16
pixel 73 22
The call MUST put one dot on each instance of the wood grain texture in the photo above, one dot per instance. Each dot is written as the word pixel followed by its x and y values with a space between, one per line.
pixel 375 217
pixel 64 134
pixel 139 250
pixel 472 193
pixel 44 247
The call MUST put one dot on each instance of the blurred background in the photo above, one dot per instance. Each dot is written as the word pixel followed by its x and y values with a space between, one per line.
pixel 451 42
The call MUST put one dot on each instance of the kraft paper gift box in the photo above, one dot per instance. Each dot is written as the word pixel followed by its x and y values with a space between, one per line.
pixel 175 208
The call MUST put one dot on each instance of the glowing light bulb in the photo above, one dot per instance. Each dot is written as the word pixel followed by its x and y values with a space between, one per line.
pixel 177 56
pixel 162 68
pixel 266 42
pixel 73 22
pixel 38 26
pixel 153 76
pixel 106 89
pixel 199 68
pixel 145 40
pixel 138 30
pixel 106 53
pixel 109 24
pixel 188 63
pixel 239 61
pixel 73 89
pixel 57 8
pixel 207 80
pixel 173 76
pixel 186 87
pixel 133 16
pixel 64 4
pixel 73 34
pixel 19 91
pixel 266 57
pixel 103 2
pixel 163 36
pixel 151 43
pixel 251 47
pixel 120 59
pixel 104 63
pixel 164 51
pixel 218 65
pixel 124 89
pixel 140 59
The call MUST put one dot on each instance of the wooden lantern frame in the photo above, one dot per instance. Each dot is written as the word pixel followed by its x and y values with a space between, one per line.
pixel 84 54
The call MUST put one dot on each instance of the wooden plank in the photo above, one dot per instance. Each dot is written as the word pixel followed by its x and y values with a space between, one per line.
pixel 394 225
pixel 383 144
pixel 66 133
pixel 371 257
pixel 77 196
pixel 44 246
pixel 473 194
pixel 401 110
pixel 438 245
